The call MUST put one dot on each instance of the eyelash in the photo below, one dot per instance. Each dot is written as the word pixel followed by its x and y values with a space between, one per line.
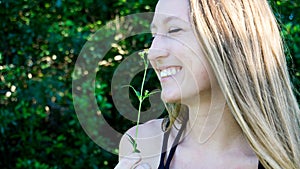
pixel 174 30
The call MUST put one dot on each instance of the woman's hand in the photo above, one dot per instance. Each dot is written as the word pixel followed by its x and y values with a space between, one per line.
pixel 132 162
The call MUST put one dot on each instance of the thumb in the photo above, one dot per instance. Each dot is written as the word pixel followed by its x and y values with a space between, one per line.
pixel 128 162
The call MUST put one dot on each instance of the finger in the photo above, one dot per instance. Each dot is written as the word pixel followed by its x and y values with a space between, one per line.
pixel 129 161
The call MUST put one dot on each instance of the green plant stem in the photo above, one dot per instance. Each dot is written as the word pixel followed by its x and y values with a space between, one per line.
pixel 141 98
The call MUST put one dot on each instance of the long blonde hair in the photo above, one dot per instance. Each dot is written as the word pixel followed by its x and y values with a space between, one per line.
pixel 242 42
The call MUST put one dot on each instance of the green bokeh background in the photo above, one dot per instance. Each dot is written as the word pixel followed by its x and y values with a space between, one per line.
pixel 40 42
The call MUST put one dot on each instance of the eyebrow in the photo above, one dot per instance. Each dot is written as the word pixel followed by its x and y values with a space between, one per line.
pixel 166 20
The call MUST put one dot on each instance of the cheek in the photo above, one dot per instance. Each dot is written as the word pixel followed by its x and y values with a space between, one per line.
pixel 202 77
pixel 200 83
pixel 205 80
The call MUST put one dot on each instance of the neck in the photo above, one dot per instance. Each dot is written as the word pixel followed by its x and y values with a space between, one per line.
pixel 211 123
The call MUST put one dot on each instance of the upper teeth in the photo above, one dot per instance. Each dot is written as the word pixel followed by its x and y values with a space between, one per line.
pixel 169 72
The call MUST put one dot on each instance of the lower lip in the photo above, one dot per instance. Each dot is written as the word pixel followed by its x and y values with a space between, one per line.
pixel 164 79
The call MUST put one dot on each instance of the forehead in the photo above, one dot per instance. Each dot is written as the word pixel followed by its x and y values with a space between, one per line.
pixel 175 8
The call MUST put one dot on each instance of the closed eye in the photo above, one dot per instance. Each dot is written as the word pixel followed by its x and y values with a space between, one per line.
pixel 174 30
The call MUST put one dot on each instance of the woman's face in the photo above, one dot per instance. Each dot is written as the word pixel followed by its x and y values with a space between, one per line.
pixel 175 54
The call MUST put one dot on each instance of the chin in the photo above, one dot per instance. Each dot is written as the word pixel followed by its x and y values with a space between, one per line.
pixel 170 98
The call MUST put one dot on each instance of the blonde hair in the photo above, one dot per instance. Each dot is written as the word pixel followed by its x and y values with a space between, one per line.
pixel 242 42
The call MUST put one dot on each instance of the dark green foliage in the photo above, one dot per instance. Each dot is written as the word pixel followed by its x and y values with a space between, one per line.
pixel 288 14
pixel 40 42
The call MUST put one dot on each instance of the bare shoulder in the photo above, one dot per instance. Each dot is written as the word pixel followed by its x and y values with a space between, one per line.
pixel 149 139
pixel 147 129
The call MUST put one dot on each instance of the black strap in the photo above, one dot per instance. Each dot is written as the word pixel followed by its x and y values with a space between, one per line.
pixel 173 149
pixel 260 166
pixel 164 150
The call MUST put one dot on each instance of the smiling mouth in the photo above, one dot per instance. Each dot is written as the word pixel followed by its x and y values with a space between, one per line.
pixel 171 71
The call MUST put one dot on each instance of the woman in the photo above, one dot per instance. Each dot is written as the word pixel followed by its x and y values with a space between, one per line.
pixel 224 77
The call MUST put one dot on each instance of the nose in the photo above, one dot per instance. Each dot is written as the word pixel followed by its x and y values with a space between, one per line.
pixel 159 48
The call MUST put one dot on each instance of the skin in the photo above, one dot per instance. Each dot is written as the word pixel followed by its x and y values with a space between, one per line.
pixel 212 138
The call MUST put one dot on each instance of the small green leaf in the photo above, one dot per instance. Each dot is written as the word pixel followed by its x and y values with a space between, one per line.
pixel 149 94
pixel 138 94
pixel 136 150
pixel 133 143
pixel 131 140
